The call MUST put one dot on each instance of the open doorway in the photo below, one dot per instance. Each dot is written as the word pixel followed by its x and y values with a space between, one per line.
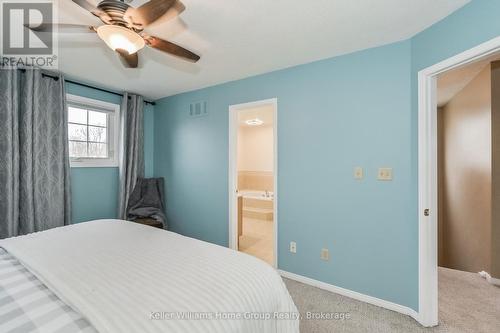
pixel 252 179
pixel 466 125
pixel 459 189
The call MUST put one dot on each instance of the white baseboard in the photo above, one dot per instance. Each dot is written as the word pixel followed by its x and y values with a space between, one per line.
pixel 352 294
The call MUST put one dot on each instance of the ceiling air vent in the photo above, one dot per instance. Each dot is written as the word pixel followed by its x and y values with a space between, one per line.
pixel 198 109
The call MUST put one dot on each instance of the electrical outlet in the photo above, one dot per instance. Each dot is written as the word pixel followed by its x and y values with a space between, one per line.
pixel 358 173
pixel 384 174
pixel 293 247
pixel 325 254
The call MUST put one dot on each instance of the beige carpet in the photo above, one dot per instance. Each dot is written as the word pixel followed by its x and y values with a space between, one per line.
pixel 467 304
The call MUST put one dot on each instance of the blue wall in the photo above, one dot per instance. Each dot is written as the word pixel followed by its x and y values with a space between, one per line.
pixel 333 115
pixel 354 110
pixel 94 191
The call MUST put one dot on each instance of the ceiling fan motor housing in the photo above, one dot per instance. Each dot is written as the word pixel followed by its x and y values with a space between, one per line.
pixel 116 10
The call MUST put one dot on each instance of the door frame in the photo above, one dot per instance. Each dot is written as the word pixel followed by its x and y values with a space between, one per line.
pixel 427 175
pixel 233 171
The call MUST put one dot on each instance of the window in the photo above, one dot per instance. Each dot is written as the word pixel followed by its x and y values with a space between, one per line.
pixel 92 132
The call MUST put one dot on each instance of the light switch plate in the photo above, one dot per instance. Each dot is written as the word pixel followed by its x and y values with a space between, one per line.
pixel 384 174
pixel 358 173
pixel 293 247
pixel 325 254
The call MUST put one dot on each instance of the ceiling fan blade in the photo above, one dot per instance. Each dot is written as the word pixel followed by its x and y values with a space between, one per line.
pixel 94 10
pixel 85 4
pixel 128 60
pixel 171 48
pixel 174 11
pixel 151 11
pixel 62 28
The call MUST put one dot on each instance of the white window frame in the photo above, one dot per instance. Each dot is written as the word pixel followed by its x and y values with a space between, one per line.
pixel 113 130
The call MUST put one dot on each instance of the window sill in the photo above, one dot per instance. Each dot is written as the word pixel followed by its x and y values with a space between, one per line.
pixel 93 164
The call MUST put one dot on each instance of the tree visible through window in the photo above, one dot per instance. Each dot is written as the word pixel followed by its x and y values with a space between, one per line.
pixel 88 133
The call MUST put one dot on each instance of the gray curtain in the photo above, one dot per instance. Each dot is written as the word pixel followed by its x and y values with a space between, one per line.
pixel 132 148
pixel 34 160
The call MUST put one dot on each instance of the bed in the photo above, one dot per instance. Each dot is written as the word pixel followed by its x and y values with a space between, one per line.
pixel 118 276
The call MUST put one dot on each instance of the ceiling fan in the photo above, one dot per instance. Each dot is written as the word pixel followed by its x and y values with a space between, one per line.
pixel 123 29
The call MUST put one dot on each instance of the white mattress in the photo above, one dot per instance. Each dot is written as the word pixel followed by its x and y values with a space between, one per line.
pixel 126 277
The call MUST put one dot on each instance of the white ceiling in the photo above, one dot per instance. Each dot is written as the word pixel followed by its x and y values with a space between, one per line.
pixel 452 82
pixel 242 38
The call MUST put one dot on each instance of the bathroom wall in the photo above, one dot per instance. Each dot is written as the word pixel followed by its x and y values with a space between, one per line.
pixel 255 148
pixel 255 157
pixel 256 180
pixel 465 182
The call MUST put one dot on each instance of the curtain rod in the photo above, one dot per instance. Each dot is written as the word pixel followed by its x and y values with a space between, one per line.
pixel 100 89
pixel 87 86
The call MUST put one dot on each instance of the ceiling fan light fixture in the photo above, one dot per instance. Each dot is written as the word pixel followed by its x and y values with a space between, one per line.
pixel 117 37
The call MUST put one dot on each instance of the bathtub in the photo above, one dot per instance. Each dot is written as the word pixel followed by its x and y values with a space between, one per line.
pixel 257 204
pixel 259 195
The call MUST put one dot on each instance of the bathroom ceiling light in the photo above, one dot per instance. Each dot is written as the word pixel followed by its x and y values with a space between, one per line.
pixel 254 122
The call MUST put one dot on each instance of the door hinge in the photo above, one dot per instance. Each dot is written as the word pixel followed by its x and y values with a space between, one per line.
pixel 426 212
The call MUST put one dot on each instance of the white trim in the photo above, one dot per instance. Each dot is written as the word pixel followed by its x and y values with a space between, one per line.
pixel 427 175
pixel 233 172
pixel 233 182
pixel 351 294
pixel 98 104
pixel 113 111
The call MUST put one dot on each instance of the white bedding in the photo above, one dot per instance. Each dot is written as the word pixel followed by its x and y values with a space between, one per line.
pixel 126 277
